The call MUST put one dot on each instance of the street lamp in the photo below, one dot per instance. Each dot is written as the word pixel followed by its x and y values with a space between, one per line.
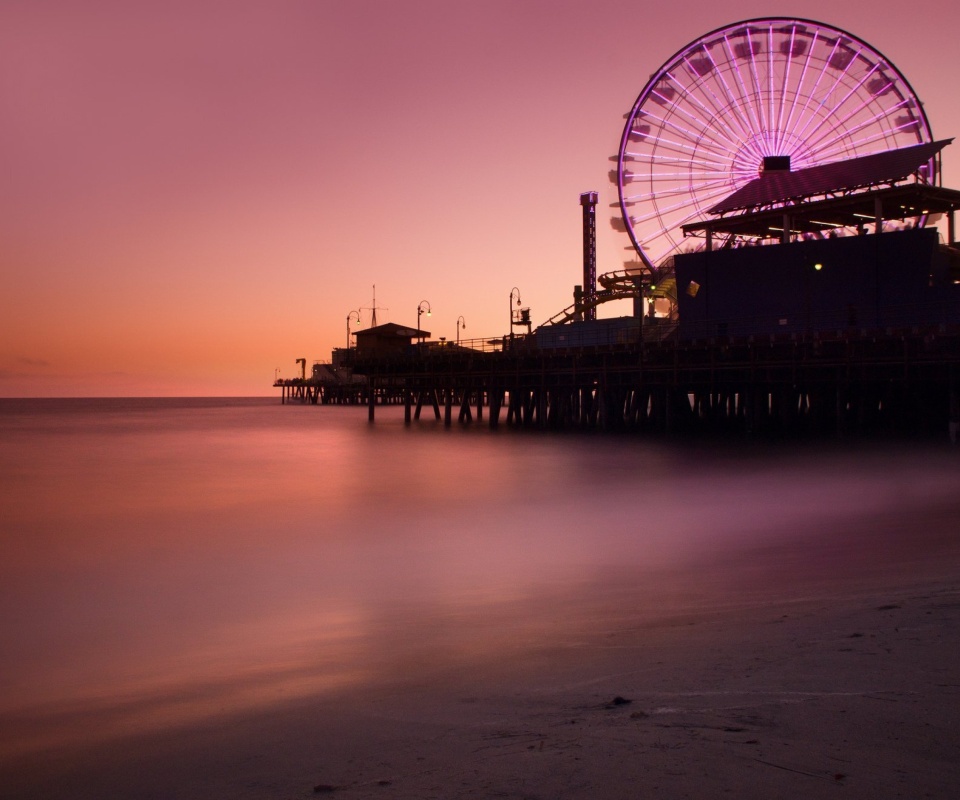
pixel 348 325
pixel 461 323
pixel 419 312
pixel 513 291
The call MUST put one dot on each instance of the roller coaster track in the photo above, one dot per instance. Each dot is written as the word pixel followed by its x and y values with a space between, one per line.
pixel 619 285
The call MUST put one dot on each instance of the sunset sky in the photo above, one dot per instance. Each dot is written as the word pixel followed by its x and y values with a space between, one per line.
pixel 197 193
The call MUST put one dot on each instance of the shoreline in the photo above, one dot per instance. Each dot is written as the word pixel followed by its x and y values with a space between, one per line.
pixel 797 683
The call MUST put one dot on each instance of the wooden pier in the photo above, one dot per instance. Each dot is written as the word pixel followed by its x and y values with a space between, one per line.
pixel 896 382
pixel 310 390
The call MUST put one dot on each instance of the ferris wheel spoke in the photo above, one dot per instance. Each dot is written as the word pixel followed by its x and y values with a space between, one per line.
pixel 755 125
pixel 754 93
pixel 807 114
pixel 668 212
pixel 792 44
pixel 709 189
pixel 733 110
pixel 718 188
pixel 665 161
pixel 712 112
pixel 727 117
pixel 860 145
pixel 765 111
pixel 664 121
pixel 779 97
pixel 678 207
pixel 678 223
pixel 819 146
pixel 849 129
pixel 837 82
pixel 732 104
pixel 801 81
pixel 681 176
pixel 759 93
pixel 840 122
pixel 683 148
pixel 694 141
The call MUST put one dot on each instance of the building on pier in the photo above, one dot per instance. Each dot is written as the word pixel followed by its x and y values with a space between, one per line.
pixel 823 249
pixel 388 339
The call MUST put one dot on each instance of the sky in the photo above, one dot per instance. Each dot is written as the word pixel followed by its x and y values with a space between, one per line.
pixel 196 194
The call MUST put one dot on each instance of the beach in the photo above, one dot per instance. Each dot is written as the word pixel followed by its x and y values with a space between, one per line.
pixel 771 673
pixel 190 614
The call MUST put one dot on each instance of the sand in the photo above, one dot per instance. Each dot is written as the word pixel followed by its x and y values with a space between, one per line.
pixel 825 666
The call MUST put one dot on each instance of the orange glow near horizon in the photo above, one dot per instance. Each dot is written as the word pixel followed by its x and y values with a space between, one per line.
pixel 196 196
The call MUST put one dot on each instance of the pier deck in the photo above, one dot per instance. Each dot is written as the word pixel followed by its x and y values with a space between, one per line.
pixel 897 382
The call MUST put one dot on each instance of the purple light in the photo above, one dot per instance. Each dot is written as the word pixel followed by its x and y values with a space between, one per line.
pixel 714 115
pixel 741 93
pixel 836 83
pixel 666 122
pixel 744 94
pixel 803 75
pixel 842 123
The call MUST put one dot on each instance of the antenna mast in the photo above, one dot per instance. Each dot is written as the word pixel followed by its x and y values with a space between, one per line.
pixel 374 308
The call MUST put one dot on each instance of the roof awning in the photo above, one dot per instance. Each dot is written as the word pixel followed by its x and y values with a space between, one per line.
pixel 908 201
pixel 877 169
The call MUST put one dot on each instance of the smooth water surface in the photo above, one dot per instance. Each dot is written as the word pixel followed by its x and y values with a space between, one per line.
pixel 164 560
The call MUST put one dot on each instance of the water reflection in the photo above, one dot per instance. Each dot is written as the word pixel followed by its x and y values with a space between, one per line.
pixel 165 562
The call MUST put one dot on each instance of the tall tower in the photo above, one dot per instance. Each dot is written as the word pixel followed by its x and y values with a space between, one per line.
pixel 589 202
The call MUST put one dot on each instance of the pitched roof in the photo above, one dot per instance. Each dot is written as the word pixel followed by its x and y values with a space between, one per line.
pixel 392 329
pixel 903 202
pixel 872 170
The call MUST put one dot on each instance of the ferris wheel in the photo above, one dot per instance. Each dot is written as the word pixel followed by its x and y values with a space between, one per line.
pixel 706 120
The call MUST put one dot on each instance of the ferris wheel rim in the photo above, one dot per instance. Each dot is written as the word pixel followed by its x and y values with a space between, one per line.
pixel 924 130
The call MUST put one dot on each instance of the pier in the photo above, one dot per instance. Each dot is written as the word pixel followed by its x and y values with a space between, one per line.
pixel 852 383
pixel 817 298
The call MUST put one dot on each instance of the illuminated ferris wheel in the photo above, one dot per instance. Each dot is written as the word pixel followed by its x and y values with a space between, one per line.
pixel 706 120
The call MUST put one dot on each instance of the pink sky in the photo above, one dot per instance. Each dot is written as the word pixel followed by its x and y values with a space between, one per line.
pixel 197 193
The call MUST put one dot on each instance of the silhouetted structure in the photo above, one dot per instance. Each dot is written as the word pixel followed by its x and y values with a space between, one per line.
pixel 389 339
pixel 810 300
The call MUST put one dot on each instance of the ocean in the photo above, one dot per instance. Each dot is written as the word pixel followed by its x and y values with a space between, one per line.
pixel 169 560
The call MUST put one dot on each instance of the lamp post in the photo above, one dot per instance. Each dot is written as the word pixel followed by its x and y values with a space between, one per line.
pixel 513 291
pixel 461 323
pixel 420 306
pixel 348 325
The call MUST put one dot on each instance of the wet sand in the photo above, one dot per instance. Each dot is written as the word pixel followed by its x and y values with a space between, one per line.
pixel 824 665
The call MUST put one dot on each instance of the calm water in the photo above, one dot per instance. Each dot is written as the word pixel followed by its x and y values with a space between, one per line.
pixel 167 559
